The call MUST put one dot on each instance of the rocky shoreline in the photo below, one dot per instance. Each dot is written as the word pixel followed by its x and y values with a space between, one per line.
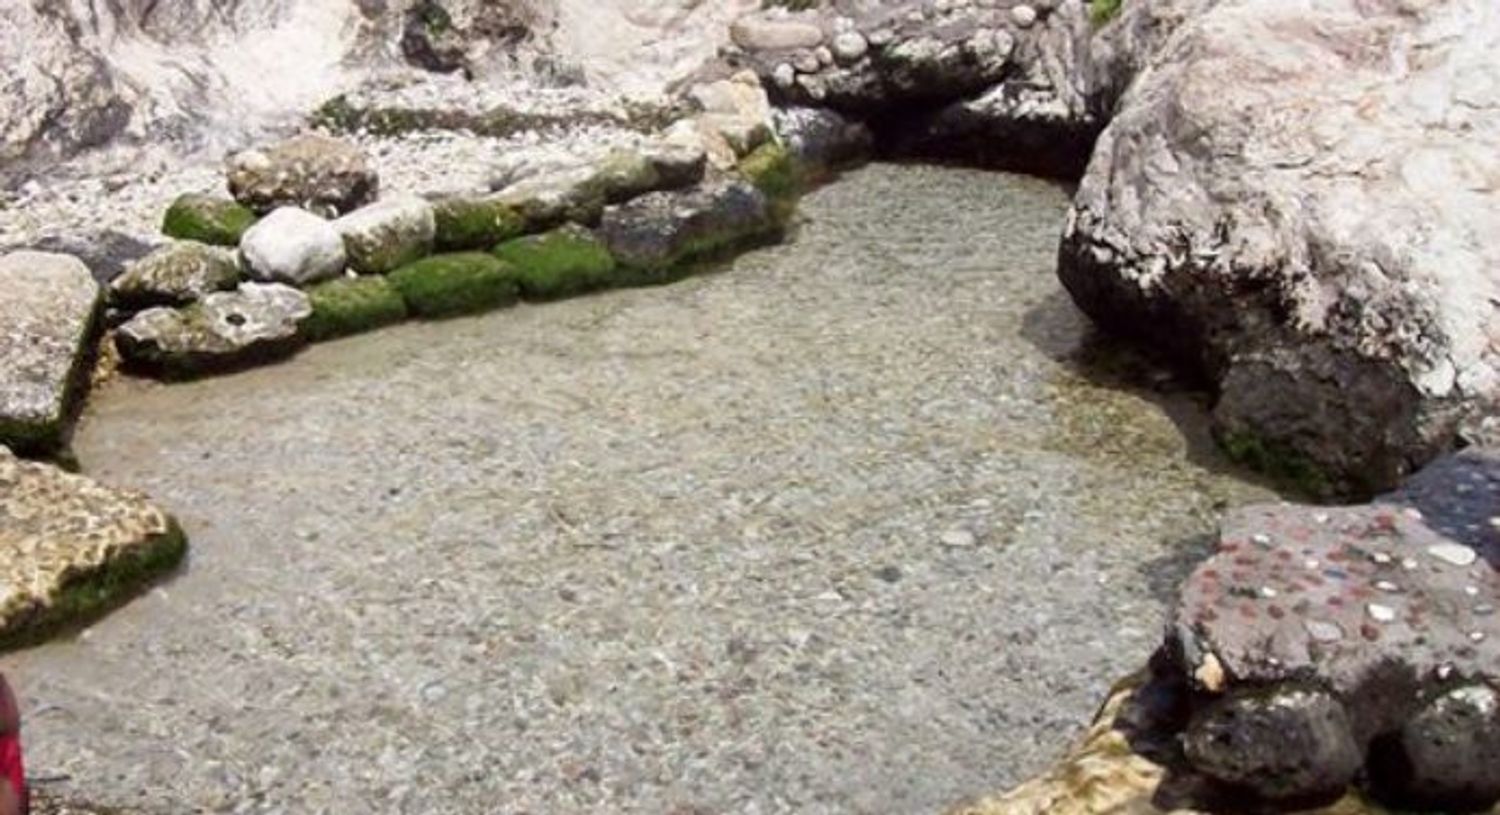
pixel 1294 206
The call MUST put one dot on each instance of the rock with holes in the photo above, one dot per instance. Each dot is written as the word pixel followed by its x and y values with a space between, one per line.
pixel 175 274
pixel 72 548
pixel 1282 744
pixel 387 234
pixel 293 246
pixel 49 308
pixel 257 322
pixel 1331 262
pixel 1447 757
pixel 318 173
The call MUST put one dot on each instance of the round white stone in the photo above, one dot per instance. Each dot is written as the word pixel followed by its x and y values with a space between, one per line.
pixel 1455 554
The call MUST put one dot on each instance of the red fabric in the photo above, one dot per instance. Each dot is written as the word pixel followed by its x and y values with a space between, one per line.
pixel 11 768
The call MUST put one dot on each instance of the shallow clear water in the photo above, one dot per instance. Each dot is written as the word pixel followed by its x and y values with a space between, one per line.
pixel 866 522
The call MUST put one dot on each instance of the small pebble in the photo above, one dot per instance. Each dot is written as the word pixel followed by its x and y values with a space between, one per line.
pixel 1381 558
pixel 1323 631
pixel 1267 592
pixel 1455 554
pixel 958 538
pixel 1261 539
pixel 1380 613
pixel 1386 585
pixel 1409 564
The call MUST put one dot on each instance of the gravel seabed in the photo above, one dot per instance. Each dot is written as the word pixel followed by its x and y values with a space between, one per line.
pixel 865 523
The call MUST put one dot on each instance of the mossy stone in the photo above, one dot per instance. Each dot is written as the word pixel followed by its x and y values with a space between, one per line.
pixel 567 260
pixel 456 283
pixel 352 305
pixel 1282 464
pixel 775 171
pixel 90 595
pixel 471 224
pixel 207 219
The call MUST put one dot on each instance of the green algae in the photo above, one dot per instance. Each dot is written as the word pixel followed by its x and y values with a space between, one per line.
pixel 568 260
pixel 207 219
pixel 352 305
pixel 473 224
pixel 775 171
pixel 1281 463
pixel 457 283
pixel 85 597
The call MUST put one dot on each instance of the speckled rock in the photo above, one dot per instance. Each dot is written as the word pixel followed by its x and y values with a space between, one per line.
pixel 1282 744
pixel 656 232
pixel 318 173
pixel 1447 757
pixel 820 139
pixel 175 274
pixel 223 331
pixel 1329 262
pixel 387 234
pixel 72 548
pixel 293 246
pixel 49 305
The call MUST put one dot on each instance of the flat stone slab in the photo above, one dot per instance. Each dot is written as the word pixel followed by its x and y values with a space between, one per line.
pixel 48 307
pixel 224 330
pixel 71 548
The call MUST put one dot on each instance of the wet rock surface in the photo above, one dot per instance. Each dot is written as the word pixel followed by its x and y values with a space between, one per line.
pixel 312 171
pixel 1322 261
pixel 49 308
pixel 659 231
pixel 223 331
pixel 72 548
pixel 757 540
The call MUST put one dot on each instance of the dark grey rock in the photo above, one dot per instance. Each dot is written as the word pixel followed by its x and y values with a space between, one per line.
pixel 660 230
pixel 105 252
pixel 1447 757
pixel 822 139
pixel 1288 744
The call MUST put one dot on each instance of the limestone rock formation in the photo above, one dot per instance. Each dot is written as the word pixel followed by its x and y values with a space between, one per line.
pixel 223 331
pixel 387 234
pixel 1296 203
pixel 72 548
pixel 175 274
pixel 315 172
pixel 49 308
pixel 293 246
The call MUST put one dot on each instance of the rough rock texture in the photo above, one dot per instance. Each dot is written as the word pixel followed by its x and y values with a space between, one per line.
pixel 1297 202
pixel 1376 605
pixel 387 234
pixel 175 274
pixel 821 139
pixel 223 331
pixel 1446 757
pixel 656 232
pixel 105 251
pixel 72 548
pixel 315 172
pixel 49 306
pixel 293 246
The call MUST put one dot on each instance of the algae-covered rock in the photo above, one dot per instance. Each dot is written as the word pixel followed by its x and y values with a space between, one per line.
pixel 175 274
pixel 256 323
pixel 293 246
pixel 317 173
pixel 387 234
pixel 654 235
pixel 567 260
pixel 352 305
pixel 49 306
pixel 774 171
pixel 207 219
pixel 473 223
pixel 457 283
pixel 72 549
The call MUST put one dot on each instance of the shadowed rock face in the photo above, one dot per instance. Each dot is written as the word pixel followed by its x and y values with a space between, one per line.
pixel 1293 202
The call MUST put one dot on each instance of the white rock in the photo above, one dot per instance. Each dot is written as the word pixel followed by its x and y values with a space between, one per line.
pixel 850 47
pixel 755 34
pixel 784 75
pixel 825 56
pixel 1380 613
pixel 1453 553
pixel 294 246
pixel 1023 15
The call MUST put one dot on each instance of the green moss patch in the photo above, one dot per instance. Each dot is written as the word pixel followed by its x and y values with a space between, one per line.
pixel 1102 11
pixel 565 261
pixel 775 172
pixel 1284 465
pixel 90 595
pixel 472 224
pixel 207 219
pixel 351 305
pixel 458 283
